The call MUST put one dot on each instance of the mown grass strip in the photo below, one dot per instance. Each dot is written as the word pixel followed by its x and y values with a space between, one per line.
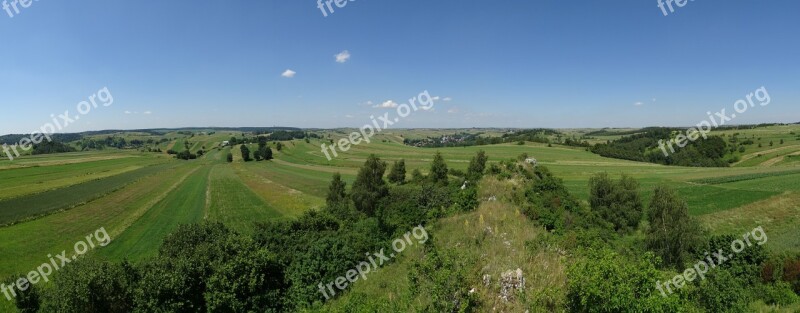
pixel 184 205
pixel 34 206
pixel 234 204
pixel 742 177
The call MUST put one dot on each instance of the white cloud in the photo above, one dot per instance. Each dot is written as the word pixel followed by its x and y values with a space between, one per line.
pixel 447 99
pixel 452 110
pixel 654 99
pixel 148 112
pixel 638 104
pixel 348 116
pixel 127 112
pixel 342 57
pixel 389 104
pixel 435 98
pixel 288 73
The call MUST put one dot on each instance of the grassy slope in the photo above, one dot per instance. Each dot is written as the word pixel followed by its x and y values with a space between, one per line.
pixel 492 240
pixel 44 176
pixel 298 180
pixel 185 204
pixel 233 203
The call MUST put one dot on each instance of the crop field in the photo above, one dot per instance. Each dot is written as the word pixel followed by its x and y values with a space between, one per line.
pixel 49 202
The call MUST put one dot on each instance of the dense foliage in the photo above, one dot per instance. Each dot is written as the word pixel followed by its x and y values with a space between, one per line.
pixel 649 144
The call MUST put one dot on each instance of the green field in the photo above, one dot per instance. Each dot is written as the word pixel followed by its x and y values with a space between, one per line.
pixel 141 197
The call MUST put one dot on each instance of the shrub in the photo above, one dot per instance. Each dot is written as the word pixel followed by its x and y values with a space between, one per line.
pixel 617 202
pixel 673 233
pixel 606 282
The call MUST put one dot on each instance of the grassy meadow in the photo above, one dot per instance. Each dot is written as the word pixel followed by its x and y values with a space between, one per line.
pixel 49 202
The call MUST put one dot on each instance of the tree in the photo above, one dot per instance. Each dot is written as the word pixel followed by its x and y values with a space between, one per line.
pixel 416 176
pixel 398 173
pixel 369 187
pixel 245 153
pixel 476 166
pixel 617 202
pixel 28 301
pixel 438 173
pixel 92 286
pixel 268 153
pixel 673 232
pixel 337 193
pixel 230 157
pixel 279 146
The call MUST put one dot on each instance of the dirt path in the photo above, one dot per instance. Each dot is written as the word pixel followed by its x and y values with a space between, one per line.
pixel 755 154
pixel 777 160
pixel 170 146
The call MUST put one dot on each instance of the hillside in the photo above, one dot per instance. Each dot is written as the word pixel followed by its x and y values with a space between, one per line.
pixel 157 193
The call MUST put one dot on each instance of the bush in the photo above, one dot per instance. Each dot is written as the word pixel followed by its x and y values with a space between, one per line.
pixel 722 291
pixel 92 286
pixel 617 202
pixel 441 278
pixel 606 282
pixel 550 203
pixel 779 293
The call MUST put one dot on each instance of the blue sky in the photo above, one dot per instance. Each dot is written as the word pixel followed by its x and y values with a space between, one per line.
pixel 548 63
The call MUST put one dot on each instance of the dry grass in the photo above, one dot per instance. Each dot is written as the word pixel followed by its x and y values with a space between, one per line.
pixel 779 216
pixel 498 238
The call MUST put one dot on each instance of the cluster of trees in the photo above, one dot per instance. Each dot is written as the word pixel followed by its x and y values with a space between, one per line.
pixel 466 139
pixel 48 147
pixel 15 138
pixel 603 279
pixel 264 152
pixel 211 268
pixel 644 146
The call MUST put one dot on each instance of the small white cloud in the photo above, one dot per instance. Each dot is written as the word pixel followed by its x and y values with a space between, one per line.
pixel 654 99
pixel 435 98
pixel 288 73
pixel 638 104
pixel 348 116
pixel 447 99
pixel 452 110
pixel 127 112
pixel 342 57
pixel 148 112
pixel 389 104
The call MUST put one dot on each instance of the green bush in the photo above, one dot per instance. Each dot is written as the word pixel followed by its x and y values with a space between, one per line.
pixel 603 281
pixel 617 202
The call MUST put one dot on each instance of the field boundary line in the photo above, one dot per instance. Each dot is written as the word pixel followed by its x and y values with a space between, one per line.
pixel 777 159
pixel 755 154
pixel 149 205
pixel 75 205
pixel 208 193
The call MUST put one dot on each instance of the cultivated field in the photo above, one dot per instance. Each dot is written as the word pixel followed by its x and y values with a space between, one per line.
pixel 49 202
